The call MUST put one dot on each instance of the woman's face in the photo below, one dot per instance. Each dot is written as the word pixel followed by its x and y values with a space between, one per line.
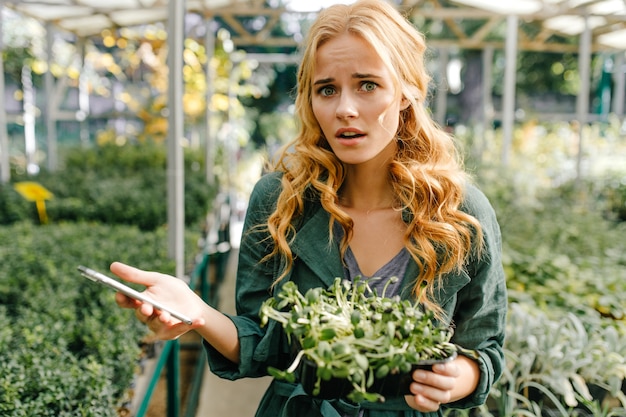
pixel 354 101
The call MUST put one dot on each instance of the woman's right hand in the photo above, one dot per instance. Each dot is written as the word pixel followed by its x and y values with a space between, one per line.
pixel 167 290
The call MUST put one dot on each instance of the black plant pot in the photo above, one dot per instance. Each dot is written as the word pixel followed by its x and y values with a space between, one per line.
pixel 393 385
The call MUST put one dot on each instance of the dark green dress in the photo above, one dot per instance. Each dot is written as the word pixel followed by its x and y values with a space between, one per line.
pixel 474 299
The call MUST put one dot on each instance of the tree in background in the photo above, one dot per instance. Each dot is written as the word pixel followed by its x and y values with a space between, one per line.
pixel 127 67
pixel 540 75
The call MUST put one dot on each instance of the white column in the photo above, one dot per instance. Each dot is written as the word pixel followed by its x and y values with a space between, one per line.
pixel 209 155
pixel 442 88
pixel 484 127
pixel 29 117
pixel 175 160
pixel 619 78
pixel 83 93
pixel 232 142
pixel 582 101
pixel 510 74
pixel 50 113
pixel 5 169
pixel 487 113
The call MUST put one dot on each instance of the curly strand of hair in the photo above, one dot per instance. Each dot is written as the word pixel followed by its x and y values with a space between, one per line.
pixel 328 187
pixel 429 185
pixel 307 164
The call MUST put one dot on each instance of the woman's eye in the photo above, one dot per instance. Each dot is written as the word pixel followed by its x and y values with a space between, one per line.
pixel 368 86
pixel 326 91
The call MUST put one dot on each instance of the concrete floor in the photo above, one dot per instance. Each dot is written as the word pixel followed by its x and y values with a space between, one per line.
pixel 221 397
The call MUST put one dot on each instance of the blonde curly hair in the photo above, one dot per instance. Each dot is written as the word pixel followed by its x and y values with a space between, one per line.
pixel 426 173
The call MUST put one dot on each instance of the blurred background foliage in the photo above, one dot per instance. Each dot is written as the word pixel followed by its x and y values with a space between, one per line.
pixel 562 214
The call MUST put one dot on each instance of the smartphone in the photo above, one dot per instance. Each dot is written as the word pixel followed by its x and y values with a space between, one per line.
pixel 99 277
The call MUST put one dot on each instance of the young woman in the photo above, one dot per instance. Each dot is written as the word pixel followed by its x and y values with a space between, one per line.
pixel 370 187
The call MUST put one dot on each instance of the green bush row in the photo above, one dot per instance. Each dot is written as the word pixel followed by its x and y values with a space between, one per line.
pixel 112 184
pixel 615 195
pixel 565 263
pixel 66 349
pixel 575 357
pixel 567 257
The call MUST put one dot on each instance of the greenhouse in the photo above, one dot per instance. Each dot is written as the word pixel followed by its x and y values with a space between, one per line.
pixel 135 131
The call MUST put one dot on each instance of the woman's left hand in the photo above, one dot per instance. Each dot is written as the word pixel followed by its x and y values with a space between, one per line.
pixel 445 383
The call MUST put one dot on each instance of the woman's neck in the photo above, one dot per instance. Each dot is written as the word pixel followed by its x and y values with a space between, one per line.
pixel 367 191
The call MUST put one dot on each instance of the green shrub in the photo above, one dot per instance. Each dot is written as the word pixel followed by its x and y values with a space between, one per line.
pixel 112 160
pixel 114 185
pixel 560 361
pixel 66 349
pixel 565 263
pixel 615 194
pixel 566 256
pixel 564 351
pixel 14 208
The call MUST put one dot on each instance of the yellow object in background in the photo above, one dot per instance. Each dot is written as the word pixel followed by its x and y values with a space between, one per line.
pixel 33 191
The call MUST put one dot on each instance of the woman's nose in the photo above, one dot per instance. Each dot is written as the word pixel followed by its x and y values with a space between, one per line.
pixel 346 107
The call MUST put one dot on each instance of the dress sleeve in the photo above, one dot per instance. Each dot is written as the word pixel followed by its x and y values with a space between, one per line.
pixel 481 308
pixel 260 347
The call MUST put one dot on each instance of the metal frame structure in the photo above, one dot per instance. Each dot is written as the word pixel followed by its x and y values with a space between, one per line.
pixel 600 25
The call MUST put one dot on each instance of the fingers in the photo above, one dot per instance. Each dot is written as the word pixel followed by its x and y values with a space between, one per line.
pixel 143 311
pixel 163 325
pixel 422 403
pixel 132 274
pixel 449 369
pixel 162 288
pixel 125 301
pixel 429 398
pixel 430 389
pixel 442 377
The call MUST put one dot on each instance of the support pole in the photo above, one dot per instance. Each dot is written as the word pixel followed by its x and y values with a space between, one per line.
pixel 619 78
pixel 484 128
pixel 83 94
pixel 175 160
pixel 582 102
pixel 442 88
pixel 5 169
pixel 209 155
pixel 29 115
pixel 173 380
pixel 510 71
pixel 487 111
pixel 232 145
pixel 50 119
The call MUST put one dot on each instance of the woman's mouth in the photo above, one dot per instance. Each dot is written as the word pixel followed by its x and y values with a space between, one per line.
pixel 349 133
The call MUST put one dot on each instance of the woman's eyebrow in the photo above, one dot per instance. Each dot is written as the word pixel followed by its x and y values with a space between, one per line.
pixel 323 81
pixel 356 75
pixel 360 76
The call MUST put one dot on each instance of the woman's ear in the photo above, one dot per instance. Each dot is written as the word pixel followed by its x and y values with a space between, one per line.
pixel 404 103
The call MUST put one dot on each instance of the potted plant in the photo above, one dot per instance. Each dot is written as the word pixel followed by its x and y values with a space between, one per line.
pixel 350 342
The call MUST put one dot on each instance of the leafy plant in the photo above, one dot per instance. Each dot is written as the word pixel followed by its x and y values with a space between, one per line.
pixel 351 333
pixel 115 185
pixel 597 409
pixel 14 208
pixel 66 349
pixel 561 354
